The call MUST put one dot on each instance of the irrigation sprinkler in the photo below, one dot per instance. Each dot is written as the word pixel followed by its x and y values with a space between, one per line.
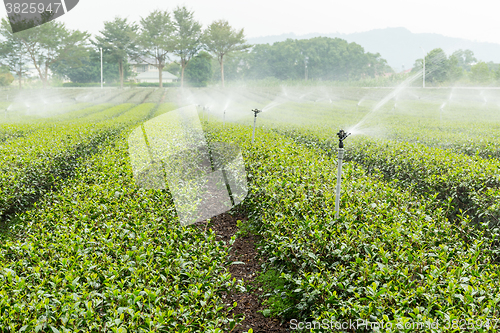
pixel 224 118
pixel 207 109
pixel 204 112
pixel 255 111
pixel 342 136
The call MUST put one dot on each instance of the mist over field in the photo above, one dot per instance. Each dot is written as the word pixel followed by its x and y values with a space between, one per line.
pixel 166 175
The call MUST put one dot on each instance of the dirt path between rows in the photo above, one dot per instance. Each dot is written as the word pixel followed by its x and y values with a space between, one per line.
pixel 243 250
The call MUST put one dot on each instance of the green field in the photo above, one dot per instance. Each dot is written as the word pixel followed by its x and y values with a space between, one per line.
pixel 83 249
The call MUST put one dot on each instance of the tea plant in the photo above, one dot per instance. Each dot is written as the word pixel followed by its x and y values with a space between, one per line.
pixel 101 254
pixel 392 255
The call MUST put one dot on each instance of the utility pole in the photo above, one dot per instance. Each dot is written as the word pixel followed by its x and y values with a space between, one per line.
pixel 305 65
pixel 423 73
pixel 101 67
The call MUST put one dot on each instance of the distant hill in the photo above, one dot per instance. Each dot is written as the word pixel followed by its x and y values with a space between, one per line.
pixel 399 46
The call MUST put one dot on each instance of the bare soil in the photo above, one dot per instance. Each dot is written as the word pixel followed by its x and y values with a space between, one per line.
pixel 248 303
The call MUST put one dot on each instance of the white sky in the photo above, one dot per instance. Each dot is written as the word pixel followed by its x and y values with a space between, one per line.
pixel 474 20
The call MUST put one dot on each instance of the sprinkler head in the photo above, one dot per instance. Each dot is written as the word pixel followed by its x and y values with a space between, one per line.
pixel 255 111
pixel 342 136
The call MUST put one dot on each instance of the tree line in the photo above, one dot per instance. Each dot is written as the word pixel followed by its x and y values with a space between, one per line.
pixel 320 58
pixel 72 53
pixel 163 35
pixel 460 66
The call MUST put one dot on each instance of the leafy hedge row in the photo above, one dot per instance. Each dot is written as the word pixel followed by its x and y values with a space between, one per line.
pixel 32 165
pixel 470 183
pixel 23 126
pixel 392 256
pixel 141 96
pixel 101 255
pixel 156 96
pixel 468 129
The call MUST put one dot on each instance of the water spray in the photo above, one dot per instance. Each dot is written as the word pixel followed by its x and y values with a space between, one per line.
pixel 207 112
pixel 255 111
pixel 342 136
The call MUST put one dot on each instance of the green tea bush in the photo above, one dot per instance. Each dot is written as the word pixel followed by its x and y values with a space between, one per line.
pixel 393 256
pixel 470 183
pixel 101 254
pixel 33 164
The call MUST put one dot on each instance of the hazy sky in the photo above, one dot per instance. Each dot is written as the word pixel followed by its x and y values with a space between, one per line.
pixel 474 20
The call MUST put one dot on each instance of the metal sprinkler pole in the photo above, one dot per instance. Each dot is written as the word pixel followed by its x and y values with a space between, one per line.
pixel 224 119
pixel 255 111
pixel 342 136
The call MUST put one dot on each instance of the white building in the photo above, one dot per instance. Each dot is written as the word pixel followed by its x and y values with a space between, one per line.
pixel 145 72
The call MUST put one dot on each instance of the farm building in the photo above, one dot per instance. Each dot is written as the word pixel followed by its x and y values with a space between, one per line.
pixel 149 73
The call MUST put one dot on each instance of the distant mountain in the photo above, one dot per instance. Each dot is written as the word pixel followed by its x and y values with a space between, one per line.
pixel 399 46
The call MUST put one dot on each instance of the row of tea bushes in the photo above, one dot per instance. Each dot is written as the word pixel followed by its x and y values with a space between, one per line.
pixel 101 255
pixel 470 183
pixel 16 125
pixel 392 256
pixel 32 165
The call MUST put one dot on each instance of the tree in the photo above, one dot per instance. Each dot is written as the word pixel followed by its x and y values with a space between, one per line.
pixel 465 59
pixel 480 72
pixel 418 65
pixel 258 66
pixel 327 59
pixel 455 71
pixel 173 68
pixel 286 60
pixel 12 51
pixel 188 37
pixel 157 40
pixel 118 42
pixel 6 77
pixel 436 66
pixel 52 42
pixel 235 66
pixel 220 39
pixel 90 70
pixel 199 70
